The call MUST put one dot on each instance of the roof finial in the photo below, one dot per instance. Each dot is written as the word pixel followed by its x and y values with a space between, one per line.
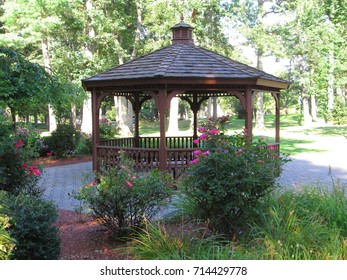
pixel 182 17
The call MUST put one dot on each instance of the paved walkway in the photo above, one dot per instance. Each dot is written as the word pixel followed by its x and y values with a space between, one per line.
pixel 310 168
pixel 61 182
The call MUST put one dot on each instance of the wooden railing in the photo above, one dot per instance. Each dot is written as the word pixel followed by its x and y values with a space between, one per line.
pixel 118 142
pixel 146 157
pixel 172 142
pixel 178 160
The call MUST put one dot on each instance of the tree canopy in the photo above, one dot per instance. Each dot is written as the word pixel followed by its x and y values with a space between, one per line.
pixel 75 39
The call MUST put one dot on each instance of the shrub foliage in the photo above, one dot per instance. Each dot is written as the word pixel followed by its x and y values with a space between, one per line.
pixel 63 140
pixel 124 199
pixel 228 178
pixel 32 227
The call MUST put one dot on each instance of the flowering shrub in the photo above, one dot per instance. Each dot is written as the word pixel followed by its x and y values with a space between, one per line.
pixel 124 199
pixel 229 176
pixel 16 174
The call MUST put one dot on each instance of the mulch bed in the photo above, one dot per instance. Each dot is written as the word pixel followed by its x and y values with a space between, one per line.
pixel 52 161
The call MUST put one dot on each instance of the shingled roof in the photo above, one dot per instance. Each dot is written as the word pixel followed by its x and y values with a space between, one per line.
pixel 183 59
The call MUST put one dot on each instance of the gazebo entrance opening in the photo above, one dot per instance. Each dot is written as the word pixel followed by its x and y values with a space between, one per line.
pixel 181 70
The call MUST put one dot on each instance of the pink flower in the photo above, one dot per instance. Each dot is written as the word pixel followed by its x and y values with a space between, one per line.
pixel 92 184
pixel 226 151
pixel 123 166
pixel 48 154
pixel 213 131
pixel 203 136
pixel 206 153
pixel 196 141
pixel 245 130
pixel 195 160
pixel 271 147
pixel 18 146
pixel 133 177
pixel 201 129
pixel 20 142
pixel 32 168
pixel 240 150
pixel 129 184
pixel 24 165
pixel 196 153
pixel 36 172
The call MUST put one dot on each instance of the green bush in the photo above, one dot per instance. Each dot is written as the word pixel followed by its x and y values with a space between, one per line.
pixel 228 178
pixel 84 146
pixel 63 140
pixel 124 199
pixel 108 131
pixel 32 228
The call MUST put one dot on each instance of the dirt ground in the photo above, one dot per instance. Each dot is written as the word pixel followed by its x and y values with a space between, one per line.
pixel 82 238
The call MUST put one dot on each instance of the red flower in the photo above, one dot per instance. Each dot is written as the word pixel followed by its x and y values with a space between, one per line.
pixel 24 165
pixel 36 172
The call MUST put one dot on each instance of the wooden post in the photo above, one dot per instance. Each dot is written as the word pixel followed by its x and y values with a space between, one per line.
pixel 162 102
pixel 277 123
pixel 96 131
pixel 136 108
pixel 195 108
pixel 249 113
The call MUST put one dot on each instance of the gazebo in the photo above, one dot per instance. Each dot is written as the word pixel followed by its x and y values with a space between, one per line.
pixel 182 70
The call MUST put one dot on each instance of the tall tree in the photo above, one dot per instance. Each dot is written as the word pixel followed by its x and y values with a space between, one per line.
pixel 22 83
pixel 260 35
pixel 310 42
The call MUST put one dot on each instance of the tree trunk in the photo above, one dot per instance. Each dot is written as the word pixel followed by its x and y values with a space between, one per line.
pixel 306 108
pixel 209 105
pixel 331 84
pixel 73 115
pixel 173 119
pixel 36 119
pixel 304 95
pixel 314 108
pixel 138 28
pixel 86 125
pixel 52 123
pixel 14 121
pixel 259 114
pixel 122 116
pixel 259 118
pixel 215 108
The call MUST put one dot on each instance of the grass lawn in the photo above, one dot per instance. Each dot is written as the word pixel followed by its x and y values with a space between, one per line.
pixel 295 139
